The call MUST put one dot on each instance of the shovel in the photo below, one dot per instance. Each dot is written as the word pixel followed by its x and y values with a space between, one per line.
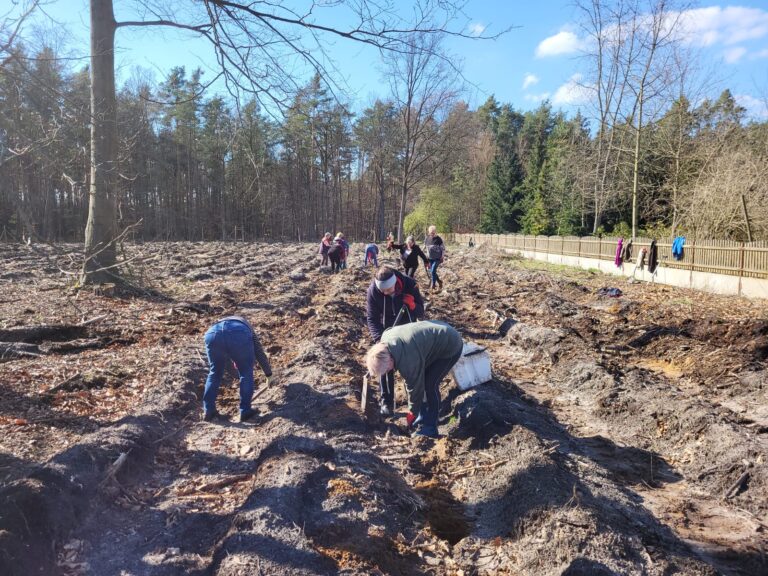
pixel 263 388
pixel 364 396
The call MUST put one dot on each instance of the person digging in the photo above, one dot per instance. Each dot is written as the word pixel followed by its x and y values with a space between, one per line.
pixel 392 298
pixel 423 352
pixel 233 339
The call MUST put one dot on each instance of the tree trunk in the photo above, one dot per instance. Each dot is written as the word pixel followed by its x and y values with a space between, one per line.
pixel 100 229
pixel 636 166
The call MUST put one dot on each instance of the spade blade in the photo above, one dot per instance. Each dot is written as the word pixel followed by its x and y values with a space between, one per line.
pixel 364 396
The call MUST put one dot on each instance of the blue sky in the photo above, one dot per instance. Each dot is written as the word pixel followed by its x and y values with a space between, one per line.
pixel 536 59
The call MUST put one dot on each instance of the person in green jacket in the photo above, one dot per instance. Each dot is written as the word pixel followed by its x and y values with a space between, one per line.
pixel 423 352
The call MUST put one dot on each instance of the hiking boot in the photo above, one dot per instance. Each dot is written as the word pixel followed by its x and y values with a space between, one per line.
pixel 246 415
pixel 209 415
pixel 440 284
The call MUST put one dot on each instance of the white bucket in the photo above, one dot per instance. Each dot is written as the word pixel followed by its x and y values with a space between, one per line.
pixel 473 368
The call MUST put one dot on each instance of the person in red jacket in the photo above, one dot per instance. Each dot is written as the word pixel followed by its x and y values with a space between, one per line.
pixel 388 294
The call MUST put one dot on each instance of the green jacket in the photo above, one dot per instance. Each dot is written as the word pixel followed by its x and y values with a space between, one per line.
pixel 416 346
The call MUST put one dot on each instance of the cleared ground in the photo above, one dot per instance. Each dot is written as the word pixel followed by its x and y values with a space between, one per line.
pixel 624 436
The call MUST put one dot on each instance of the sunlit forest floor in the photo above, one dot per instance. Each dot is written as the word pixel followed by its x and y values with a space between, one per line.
pixel 619 435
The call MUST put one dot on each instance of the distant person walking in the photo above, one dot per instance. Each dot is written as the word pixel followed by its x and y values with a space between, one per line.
pixel 232 339
pixel 410 254
pixel 341 240
pixel 325 245
pixel 429 238
pixel 423 353
pixel 388 294
pixel 436 255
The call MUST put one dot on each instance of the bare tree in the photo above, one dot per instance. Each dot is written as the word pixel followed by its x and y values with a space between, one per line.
pixel 608 47
pixel 423 86
pixel 11 24
pixel 655 31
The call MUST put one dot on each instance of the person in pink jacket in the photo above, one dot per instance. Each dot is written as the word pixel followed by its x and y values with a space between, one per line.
pixel 325 245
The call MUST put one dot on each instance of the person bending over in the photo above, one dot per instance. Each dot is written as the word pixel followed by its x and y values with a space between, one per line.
pixel 371 255
pixel 232 339
pixel 423 353
pixel 389 293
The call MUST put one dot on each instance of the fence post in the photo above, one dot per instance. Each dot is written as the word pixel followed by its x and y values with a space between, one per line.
pixel 741 265
pixel 693 263
pixel 579 249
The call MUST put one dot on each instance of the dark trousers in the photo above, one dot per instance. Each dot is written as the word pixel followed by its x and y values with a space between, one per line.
pixel 411 270
pixel 335 263
pixel 387 389
pixel 433 375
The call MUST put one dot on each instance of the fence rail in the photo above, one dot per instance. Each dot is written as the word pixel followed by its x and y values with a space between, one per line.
pixel 744 259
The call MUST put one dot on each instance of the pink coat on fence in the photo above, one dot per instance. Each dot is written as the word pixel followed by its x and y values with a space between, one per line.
pixel 618 260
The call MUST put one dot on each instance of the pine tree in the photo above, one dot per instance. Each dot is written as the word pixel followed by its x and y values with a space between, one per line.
pixel 503 199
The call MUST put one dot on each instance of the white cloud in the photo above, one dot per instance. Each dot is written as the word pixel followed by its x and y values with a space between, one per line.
pixel 730 25
pixel 760 54
pixel 476 28
pixel 530 80
pixel 756 108
pixel 537 97
pixel 733 55
pixel 573 92
pixel 561 43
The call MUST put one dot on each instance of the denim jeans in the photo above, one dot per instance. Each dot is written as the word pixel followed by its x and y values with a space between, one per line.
pixel 433 264
pixel 225 341
pixel 370 256
pixel 430 408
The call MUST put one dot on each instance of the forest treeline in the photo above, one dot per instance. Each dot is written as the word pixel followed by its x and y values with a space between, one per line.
pixel 205 168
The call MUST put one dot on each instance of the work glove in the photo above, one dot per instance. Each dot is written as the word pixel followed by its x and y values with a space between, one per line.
pixel 410 418
pixel 409 301
pixel 269 381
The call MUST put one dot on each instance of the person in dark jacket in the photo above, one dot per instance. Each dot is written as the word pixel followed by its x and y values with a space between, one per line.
pixel 410 254
pixel 436 254
pixel 423 353
pixel 336 254
pixel 232 339
pixel 388 293
pixel 430 237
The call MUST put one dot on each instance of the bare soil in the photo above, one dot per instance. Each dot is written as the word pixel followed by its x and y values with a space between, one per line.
pixel 619 435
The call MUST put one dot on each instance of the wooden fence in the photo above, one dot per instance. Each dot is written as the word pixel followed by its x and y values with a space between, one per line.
pixel 744 259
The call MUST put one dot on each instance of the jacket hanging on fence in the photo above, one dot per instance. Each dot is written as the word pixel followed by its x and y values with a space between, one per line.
pixel 677 247
pixel 653 257
pixel 626 252
pixel 641 258
pixel 619 252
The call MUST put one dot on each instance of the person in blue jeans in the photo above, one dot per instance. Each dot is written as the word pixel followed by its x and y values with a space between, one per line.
pixel 371 255
pixel 232 339
pixel 436 254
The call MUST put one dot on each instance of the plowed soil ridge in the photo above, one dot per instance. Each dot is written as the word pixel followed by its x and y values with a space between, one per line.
pixel 619 436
